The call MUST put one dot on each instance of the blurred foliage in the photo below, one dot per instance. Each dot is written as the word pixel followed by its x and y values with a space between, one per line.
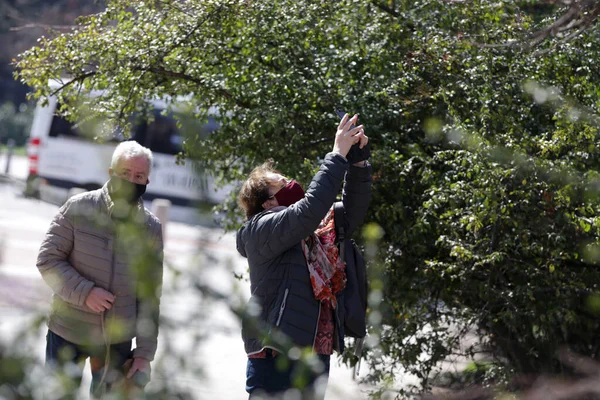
pixel 15 123
pixel 22 22
pixel 486 181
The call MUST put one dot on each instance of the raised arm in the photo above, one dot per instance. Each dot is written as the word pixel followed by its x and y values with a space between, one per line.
pixel 356 196
pixel 276 232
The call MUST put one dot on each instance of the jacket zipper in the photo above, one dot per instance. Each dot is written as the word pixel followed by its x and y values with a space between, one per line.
pixel 282 308
pixel 337 331
pixel 103 316
pixel 112 265
pixel 317 327
pixel 110 284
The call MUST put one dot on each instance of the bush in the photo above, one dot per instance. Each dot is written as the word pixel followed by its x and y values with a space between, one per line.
pixel 485 181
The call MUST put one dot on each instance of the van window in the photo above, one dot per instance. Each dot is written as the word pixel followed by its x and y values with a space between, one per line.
pixel 160 135
pixel 61 127
pixel 87 129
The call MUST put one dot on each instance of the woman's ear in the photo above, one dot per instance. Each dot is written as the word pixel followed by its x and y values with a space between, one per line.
pixel 268 204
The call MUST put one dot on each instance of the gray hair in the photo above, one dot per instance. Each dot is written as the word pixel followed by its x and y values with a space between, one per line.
pixel 130 149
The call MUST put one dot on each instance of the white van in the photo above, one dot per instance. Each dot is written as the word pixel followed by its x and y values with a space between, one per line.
pixel 64 156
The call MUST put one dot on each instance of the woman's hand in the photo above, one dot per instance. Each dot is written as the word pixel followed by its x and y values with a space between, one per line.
pixel 345 137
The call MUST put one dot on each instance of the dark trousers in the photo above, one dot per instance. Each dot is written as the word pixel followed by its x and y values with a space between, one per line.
pixel 60 353
pixel 272 376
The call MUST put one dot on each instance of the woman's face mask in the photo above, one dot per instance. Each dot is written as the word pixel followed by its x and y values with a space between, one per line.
pixel 289 194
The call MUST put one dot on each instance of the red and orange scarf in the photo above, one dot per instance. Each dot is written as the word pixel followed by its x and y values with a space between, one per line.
pixel 327 270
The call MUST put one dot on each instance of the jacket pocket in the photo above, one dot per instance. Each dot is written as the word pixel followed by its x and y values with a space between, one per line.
pixel 282 307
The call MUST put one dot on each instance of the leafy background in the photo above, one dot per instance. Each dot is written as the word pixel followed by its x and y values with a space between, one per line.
pixel 483 121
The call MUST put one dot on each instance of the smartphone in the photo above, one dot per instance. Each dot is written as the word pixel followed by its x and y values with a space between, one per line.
pixel 355 154
pixel 341 114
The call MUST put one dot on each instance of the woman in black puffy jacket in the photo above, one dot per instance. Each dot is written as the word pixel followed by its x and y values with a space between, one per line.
pixel 295 273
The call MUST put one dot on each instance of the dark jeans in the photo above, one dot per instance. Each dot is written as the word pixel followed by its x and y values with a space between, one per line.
pixel 60 352
pixel 274 375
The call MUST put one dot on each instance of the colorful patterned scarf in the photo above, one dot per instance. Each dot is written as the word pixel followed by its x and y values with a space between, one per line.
pixel 327 270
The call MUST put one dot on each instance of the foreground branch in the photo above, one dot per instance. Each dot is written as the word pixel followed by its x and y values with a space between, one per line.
pixel 80 78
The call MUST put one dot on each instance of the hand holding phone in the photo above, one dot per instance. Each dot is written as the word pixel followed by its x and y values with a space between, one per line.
pixel 356 154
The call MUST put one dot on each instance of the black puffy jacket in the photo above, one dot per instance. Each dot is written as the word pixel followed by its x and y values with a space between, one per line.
pixel 279 277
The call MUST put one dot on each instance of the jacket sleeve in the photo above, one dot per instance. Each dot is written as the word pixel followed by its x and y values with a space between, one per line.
pixel 148 302
pixel 273 233
pixel 356 196
pixel 53 264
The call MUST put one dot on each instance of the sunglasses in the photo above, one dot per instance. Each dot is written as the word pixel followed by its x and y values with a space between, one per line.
pixel 286 181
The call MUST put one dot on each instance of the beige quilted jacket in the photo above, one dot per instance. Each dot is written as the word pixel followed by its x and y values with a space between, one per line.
pixel 84 248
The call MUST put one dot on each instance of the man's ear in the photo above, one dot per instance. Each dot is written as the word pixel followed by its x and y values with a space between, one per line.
pixel 110 172
pixel 147 181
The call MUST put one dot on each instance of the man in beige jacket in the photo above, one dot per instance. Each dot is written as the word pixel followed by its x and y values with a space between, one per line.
pixel 102 256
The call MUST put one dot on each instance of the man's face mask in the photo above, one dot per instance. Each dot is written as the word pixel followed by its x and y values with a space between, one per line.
pixel 122 189
pixel 289 194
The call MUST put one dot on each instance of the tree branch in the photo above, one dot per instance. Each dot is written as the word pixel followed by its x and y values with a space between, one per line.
pixel 179 75
pixel 385 8
pixel 552 29
pixel 174 7
pixel 43 26
pixel 580 12
pixel 79 78
pixel 566 39
pixel 316 142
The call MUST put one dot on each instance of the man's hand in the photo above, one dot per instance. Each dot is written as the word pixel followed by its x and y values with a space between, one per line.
pixel 99 300
pixel 139 364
